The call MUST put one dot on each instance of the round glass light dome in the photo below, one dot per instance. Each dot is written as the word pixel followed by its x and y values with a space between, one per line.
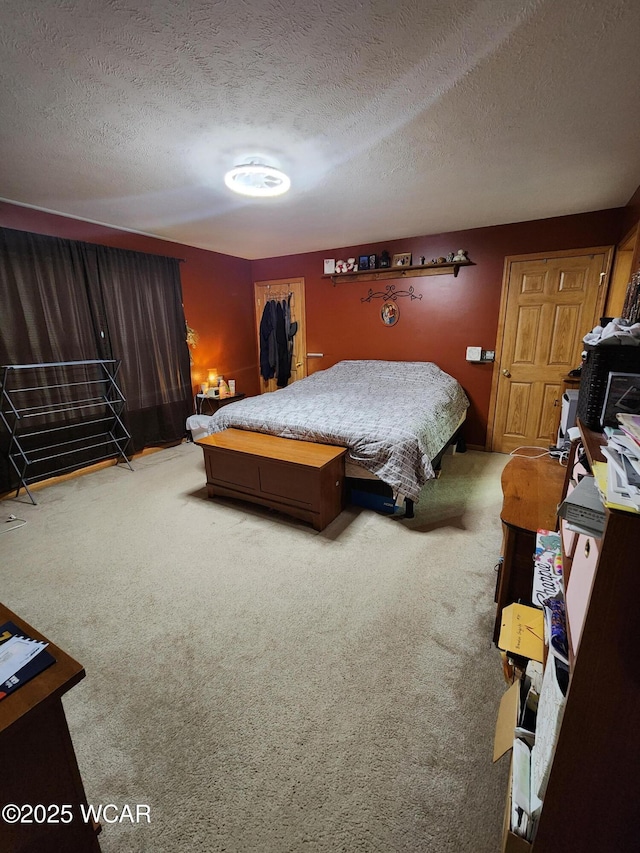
pixel 257 180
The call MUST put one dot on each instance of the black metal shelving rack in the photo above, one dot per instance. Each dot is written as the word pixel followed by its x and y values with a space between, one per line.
pixel 61 416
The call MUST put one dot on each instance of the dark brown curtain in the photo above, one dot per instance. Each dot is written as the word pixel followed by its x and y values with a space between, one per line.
pixel 44 310
pixel 63 300
pixel 142 300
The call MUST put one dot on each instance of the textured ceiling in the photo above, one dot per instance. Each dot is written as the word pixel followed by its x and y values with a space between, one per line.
pixel 393 119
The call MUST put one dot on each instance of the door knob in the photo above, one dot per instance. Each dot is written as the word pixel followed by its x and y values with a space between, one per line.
pixel 505 372
pixel 298 364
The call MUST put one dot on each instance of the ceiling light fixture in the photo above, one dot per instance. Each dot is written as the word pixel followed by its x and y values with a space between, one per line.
pixel 257 180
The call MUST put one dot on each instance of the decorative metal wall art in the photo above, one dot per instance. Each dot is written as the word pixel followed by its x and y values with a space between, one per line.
pixel 390 292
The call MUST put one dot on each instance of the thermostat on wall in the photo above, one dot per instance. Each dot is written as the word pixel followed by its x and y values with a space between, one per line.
pixel 474 353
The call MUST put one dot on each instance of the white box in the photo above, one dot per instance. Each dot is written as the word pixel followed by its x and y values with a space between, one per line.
pixel 569 410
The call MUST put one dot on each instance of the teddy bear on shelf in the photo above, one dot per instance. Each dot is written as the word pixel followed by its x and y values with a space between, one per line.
pixel 460 256
pixel 341 266
pixel 352 265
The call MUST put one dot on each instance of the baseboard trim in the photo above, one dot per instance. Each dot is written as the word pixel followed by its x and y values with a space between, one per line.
pixel 89 469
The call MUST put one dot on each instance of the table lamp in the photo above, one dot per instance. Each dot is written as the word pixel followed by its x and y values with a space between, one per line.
pixel 212 378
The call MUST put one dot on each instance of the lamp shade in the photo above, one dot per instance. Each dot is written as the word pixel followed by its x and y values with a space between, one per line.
pixel 212 376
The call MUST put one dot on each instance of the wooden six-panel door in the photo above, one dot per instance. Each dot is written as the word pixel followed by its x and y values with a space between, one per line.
pixel 291 289
pixel 549 303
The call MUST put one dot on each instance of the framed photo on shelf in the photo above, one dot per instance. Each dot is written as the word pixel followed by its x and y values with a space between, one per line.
pixel 329 266
pixel 403 259
pixel 622 395
pixel 363 262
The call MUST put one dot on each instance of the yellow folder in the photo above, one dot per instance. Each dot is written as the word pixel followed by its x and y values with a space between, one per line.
pixel 522 631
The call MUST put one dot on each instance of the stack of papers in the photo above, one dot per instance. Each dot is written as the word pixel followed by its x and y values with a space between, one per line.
pixel 21 658
pixel 619 482
pixel 630 424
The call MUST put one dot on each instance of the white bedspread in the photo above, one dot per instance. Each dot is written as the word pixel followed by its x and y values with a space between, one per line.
pixel 393 416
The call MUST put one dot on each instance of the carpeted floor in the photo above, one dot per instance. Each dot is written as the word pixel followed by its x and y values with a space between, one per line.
pixel 264 687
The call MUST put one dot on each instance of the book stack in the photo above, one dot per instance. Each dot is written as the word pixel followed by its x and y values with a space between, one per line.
pixel 618 480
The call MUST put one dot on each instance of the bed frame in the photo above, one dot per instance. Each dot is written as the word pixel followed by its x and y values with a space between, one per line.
pixel 355 476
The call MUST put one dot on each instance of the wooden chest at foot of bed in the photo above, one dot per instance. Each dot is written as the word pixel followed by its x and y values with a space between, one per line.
pixel 300 478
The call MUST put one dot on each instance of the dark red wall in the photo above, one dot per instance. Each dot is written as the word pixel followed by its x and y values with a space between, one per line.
pixel 453 313
pixel 217 291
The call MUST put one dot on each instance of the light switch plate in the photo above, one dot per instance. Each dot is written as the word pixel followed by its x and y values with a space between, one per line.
pixel 474 353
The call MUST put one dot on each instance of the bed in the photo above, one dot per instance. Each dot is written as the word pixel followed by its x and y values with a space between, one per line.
pixel 394 417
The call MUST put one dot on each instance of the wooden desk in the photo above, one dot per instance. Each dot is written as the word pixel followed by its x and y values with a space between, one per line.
pixel 38 761
pixel 532 489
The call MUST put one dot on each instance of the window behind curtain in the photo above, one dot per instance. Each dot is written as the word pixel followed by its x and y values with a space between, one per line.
pixel 142 300
pixel 44 310
pixel 64 300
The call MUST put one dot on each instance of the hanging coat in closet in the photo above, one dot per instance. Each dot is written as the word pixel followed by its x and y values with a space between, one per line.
pixel 276 341
pixel 268 341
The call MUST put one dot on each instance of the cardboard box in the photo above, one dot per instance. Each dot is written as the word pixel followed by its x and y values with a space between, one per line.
pixel 503 743
pixel 512 843
pixel 507 721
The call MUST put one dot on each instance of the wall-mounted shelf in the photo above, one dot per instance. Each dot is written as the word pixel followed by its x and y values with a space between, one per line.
pixel 400 272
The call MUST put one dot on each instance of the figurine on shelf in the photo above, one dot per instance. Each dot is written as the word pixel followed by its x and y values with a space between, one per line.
pixel 421 260
pixel 460 256
pixel 450 257
pixel 385 259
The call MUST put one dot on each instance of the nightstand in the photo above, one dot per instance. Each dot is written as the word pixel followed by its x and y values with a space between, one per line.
pixel 206 405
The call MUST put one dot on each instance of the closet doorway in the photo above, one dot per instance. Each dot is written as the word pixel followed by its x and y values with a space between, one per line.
pixel 292 291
